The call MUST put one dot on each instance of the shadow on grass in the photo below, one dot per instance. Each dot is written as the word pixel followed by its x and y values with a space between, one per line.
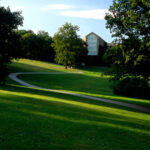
pixel 43 95
pixel 71 82
pixel 18 90
pixel 95 69
pixel 89 85
pixel 80 83
pixel 39 119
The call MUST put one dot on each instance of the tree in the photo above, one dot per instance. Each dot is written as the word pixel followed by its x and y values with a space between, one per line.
pixel 36 46
pixel 101 51
pixel 46 51
pixel 111 55
pixel 129 22
pixel 29 42
pixel 9 41
pixel 70 49
pixel 23 32
pixel 129 19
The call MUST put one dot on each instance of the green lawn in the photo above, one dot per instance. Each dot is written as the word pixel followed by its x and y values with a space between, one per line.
pixel 90 82
pixel 32 119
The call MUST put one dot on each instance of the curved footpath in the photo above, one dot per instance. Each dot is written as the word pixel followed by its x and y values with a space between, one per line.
pixel 14 77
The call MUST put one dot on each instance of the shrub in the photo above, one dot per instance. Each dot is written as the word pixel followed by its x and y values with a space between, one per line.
pixel 132 87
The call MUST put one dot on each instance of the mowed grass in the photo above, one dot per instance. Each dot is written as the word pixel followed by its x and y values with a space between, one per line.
pixel 42 120
pixel 27 65
pixel 33 119
pixel 90 82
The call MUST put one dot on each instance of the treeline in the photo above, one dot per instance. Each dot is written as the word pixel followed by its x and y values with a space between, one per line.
pixel 35 46
pixel 66 47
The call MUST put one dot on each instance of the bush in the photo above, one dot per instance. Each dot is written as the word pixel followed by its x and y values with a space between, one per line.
pixel 132 87
pixel 112 55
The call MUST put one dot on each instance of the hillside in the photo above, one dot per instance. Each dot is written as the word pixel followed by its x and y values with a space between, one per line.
pixel 40 119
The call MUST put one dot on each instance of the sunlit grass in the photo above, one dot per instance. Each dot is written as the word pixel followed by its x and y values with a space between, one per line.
pixel 26 65
pixel 90 82
pixel 39 119
pixel 81 84
pixel 42 120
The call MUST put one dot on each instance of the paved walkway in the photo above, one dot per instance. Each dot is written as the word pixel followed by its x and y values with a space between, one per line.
pixel 14 77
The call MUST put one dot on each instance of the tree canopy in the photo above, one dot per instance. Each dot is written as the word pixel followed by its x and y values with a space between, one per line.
pixel 9 41
pixel 36 46
pixel 129 23
pixel 129 19
pixel 69 47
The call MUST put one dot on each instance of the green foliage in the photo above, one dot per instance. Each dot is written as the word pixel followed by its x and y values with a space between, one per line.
pixel 23 32
pixel 129 22
pixel 36 46
pixel 131 58
pixel 9 41
pixel 129 18
pixel 112 55
pixel 70 49
pixel 101 51
pixel 132 87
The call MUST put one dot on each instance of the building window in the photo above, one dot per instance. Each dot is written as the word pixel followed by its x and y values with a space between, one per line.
pixel 92 45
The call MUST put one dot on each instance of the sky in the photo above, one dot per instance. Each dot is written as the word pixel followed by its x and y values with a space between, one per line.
pixel 49 15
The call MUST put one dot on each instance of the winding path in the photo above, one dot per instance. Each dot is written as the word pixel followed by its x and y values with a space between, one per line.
pixel 14 77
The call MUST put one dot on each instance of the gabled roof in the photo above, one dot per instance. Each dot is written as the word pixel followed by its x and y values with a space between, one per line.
pixel 95 35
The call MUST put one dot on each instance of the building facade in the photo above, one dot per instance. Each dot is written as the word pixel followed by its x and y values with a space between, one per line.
pixel 95 47
pixel 93 42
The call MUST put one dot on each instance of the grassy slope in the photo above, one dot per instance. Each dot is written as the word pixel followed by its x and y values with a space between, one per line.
pixel 32 119
pixel 89 83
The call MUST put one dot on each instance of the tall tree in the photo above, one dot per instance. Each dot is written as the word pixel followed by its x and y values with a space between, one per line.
pixel 36 46
pixel 129 19
pixel 9 41
pixel 101 52
pixel 47 52
pixel 129 22
pixel 69 47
